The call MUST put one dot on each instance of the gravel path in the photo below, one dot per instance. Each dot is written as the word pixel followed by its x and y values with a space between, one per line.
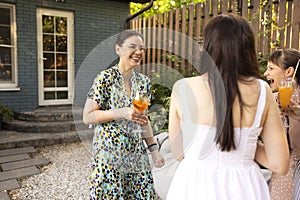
pixel 65 178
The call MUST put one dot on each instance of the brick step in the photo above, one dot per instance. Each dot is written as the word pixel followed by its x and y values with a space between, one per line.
pixel 18 173
pixel 39 161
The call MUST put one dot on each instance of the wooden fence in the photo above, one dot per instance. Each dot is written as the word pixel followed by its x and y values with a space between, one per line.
pixel 171 36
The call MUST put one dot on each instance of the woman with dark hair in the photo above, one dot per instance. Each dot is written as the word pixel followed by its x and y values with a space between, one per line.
pixel 229 108
pixel 282 64
pixel 120 165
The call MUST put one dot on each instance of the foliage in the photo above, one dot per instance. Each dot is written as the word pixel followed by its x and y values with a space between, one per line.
pixel 262 63
pixel 161 6
pixel 6 114
pixel 162 84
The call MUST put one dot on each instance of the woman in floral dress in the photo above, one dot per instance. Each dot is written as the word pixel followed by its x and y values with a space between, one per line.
pixel 120 165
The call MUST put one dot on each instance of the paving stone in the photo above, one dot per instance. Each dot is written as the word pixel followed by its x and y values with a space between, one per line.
pixel 6 152
pixel 18 173
pixel 13 158
pixel 4 196
pixel 9 185
pixel 24 163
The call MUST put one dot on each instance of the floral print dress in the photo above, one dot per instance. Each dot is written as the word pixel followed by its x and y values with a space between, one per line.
pixel 120 165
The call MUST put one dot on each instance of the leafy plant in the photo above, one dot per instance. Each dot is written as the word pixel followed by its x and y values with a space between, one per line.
pixel 161 6
pixel 262 62
pixel 6 114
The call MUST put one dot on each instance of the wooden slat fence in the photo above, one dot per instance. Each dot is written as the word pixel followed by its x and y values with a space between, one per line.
pixel 173 37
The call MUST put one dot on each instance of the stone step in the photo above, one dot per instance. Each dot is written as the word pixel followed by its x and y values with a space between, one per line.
pixel 13 139
pixel 48 114
pixel 18 173
pixel 11 151
pixel 39 127
pixel 4 196
pixel 39 161
pixel 9 185
pixel 13 158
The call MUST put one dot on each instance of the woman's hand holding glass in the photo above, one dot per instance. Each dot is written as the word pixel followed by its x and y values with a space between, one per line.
pixel 133 115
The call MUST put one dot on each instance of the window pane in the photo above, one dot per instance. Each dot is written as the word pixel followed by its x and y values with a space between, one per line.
pixel 62 79
pixel 5 73
pixel 62 95
pixel 5 35
pixel 49 79
pixel 61 43
pixel 61 25
pixel 49 95
pixel 48 41
pixel 48 24
pixel 61 61
pixel 49 61
pixel 4 16
pixel 5 55
pixel 5 64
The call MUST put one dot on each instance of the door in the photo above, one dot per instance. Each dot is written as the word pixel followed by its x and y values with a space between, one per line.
pixel 55 35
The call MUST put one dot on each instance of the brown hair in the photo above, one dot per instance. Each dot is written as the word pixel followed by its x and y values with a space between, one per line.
pixel 230 42
pixel 286 58
pixel 126 34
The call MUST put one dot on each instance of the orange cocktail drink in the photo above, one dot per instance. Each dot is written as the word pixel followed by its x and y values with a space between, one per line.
pixel 140 104
pixel 285 94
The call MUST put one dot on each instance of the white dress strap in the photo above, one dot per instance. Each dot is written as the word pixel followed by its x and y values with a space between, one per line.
pixel 260 104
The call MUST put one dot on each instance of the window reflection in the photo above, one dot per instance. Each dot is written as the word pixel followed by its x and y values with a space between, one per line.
pixel 61 61
pixel 48 24
pixel 5 64
pixel 62 79
pixel 61 25
pixel 61 43
pixel 49 95
pixel 49 79
pixel 48 60
pixel 48 42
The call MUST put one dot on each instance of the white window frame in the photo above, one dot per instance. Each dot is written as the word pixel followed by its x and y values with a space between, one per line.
pixel 13 85
pixel 71 68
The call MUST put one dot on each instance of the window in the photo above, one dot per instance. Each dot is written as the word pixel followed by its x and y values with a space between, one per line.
pixel 8 63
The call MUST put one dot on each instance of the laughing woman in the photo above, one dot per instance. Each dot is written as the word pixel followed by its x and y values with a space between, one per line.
pixel 282 64
pixel 120 165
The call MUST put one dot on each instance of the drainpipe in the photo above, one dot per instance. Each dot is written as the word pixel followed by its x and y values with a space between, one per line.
pixel 130 17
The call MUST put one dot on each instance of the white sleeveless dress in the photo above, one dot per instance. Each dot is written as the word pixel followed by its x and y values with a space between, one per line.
pixel 217 175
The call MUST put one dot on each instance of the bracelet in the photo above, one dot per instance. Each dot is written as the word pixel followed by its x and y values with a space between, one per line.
pixel 152 147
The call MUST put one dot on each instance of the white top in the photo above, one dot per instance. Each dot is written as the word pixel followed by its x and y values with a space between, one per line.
pixel 208 173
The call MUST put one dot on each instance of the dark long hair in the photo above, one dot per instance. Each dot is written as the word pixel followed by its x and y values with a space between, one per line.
pixel 286 58
pixel 229 41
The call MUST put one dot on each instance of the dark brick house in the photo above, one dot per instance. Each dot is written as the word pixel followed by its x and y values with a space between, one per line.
pixel 44 42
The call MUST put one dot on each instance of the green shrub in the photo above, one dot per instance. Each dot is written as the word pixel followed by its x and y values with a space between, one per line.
pixel 6 114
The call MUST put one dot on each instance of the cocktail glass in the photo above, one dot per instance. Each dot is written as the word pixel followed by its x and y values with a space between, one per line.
pixel 140 102
pixel 285 92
